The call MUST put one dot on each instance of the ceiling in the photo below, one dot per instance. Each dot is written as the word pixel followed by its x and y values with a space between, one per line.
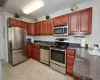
pixel 50 6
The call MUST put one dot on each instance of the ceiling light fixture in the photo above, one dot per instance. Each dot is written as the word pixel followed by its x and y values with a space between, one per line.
pixel 36 4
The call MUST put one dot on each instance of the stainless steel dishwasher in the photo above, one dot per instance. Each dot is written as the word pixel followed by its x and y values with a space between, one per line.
pixel 44 54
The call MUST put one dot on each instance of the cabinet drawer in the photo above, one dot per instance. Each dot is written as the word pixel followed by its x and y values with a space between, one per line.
pixel 71 63
pixel 71 58
pixel 69 69
pixel 71 52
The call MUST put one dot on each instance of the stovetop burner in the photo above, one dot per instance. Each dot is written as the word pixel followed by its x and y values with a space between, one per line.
pixel 60 45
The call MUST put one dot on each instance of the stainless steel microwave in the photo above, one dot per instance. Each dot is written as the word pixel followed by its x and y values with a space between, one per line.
pixel 60 30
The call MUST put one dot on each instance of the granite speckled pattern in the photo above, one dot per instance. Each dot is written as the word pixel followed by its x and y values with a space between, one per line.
pixel 31 70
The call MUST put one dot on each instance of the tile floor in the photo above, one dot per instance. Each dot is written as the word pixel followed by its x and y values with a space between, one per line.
pixel 31 70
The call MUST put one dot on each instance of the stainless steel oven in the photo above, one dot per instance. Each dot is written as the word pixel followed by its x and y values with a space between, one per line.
pixel 58 60
pixel 58 57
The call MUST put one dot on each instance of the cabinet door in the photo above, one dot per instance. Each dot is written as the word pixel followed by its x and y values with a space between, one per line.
pixel 50 27
pixel 12 22
pixel 20 24
pixel 37 54
pixel 29 50
pixel 30 29
pixel 37 28
pixel 25 26
pixel 85 21
pixel 74 23
pixel 61 20
pixel 44 28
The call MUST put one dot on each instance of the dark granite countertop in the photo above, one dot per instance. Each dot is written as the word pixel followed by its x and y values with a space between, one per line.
pixel 42 43
pixel 86 66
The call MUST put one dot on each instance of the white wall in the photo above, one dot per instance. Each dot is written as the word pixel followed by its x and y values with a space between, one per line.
pixel 1 38
pixel 91 39
pixel 5 16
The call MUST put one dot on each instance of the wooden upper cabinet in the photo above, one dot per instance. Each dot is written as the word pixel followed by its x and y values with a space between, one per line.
pixel 61 20
pixel 12 22
pixel 85 21
pixel 30 29
pixel 20 24
pixel 80 21
pixel 43 27
pixel 37 28
pixel 73 23
pixel 50 26
pixel 25 25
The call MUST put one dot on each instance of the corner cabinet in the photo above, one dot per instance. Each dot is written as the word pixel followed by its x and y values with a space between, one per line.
pixel 30 29
pixel 36 51
pixel 80 21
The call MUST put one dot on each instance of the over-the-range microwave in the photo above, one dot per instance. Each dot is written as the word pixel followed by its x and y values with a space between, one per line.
pixel 60 30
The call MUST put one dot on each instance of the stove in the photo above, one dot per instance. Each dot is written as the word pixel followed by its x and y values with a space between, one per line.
pixel 58 56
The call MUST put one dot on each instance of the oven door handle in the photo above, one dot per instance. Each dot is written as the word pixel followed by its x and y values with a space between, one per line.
pixel 57 49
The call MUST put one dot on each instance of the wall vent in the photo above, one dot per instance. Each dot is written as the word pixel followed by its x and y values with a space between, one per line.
pixel 3 2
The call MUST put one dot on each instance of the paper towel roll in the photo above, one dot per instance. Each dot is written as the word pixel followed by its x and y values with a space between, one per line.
pixel 83 42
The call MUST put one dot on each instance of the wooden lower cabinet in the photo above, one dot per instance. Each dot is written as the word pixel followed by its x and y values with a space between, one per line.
pixel 70 61
pixel 29 50
pixel 36 54
pixel 69 69
pixel 75 78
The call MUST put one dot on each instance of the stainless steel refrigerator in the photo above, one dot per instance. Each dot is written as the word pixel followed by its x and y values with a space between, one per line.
pixel 17 45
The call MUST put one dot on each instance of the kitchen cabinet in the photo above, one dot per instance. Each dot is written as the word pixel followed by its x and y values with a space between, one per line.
pixel 85 21
pixel 37 28
pixel 36 52
pixel 25 26
pixel 43 27
pixel 50 26
pixel 12 22
pixel 75 78
pixel 30 29
pixel 20 24
pixel 61 20
pixel 29 50
pixel 80 21
pixel 73 23
pixel 70 61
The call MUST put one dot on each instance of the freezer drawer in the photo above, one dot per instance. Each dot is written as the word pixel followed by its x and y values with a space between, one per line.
pixel 18 56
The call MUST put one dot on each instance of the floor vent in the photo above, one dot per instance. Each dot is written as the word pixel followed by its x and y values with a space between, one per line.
pixel 2 3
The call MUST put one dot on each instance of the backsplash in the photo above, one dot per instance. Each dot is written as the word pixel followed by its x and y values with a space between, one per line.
pixel 52 38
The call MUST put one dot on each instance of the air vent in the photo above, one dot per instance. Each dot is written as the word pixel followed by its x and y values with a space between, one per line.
pixel 2 3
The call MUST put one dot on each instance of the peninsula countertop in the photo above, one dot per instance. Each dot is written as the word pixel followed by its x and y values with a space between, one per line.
pixel 86 66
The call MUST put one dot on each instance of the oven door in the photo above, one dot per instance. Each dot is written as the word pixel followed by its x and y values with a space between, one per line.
pixel 58 57
pixel 58 31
